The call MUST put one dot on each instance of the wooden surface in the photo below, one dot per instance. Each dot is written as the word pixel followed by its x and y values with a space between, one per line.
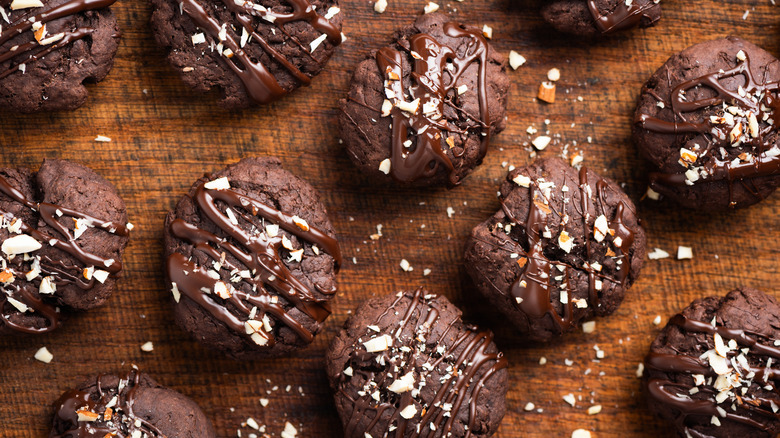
pixel 164 137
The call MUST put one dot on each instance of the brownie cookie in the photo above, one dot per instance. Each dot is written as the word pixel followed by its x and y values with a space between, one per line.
pixel 706 122
pixel 62 234
pixel 251 260
pixel 712 370
pixel 593 18
pixel 131 407
pixel 406 365
pixel 50 48
pixel 422 110
pixel 251 53
pixel 564 247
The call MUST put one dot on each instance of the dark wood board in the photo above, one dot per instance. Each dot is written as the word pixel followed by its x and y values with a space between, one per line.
pixel 164 137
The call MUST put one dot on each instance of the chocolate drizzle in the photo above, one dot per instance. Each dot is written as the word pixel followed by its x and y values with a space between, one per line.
pixel 732 150
pixel 623 17
pixel 463 374
pixel 37 48
pixel 532 290
pixel 259 265
pixel 260 83
pixel 106 413
pixel 755 373
pixel 20 285
pixel 437 68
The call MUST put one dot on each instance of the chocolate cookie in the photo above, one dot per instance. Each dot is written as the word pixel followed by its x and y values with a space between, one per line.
pixel 423 110
pixel 564 247
pixel 712 370
pixel 251 53
pixel 706 122
pixel 251 260
pixel 50 48
pixel 62 234
pixel 134 406
pixel 593 18
pixel 405 365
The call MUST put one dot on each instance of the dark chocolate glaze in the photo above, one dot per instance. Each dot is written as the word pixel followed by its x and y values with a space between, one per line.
pixel 260 83
pixel 259 254
pixel 113 408
pixel 25 23
pixel 750 408
pixel 27 291
pixel 767 104
pixel 623 17
pixel 433 84
pixel 460 389
pixel 531 290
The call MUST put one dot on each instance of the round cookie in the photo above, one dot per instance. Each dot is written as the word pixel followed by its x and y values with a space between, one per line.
pixel 252 53
pixel 593 18
pixel 251 259
pixel 132 406
pixel 564 247
pixel 711 370
pixel 50 48
pixel 422 110
pixel 406 363
pixel 62 234
pixel 706 122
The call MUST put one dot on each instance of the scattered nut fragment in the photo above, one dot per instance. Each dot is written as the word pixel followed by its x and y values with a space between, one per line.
pixel 640 370
pixel 593 410
pixel 218 184
pixel 589 327
pixel 652 194
pixel 380 6
pixel 487 31
pixel 20 244
pixel 565 241
pixel 147 347
pixel 25 4
pixel 546 92
pixel 289 431
pixel 44 355
pixel 580 433
pixel 409 412
pixel 657 320
pixel 570 399
pixel 684 252
pixel 515 60
pixel 380 343
pixel 553 74
pixel 406 266
pixel 385 166
pixel 657 254
pixel 529 407
pixel 541 142
pixel 431 7
pixel 86 416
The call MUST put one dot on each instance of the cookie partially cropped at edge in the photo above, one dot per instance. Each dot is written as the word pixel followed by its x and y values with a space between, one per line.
pixel 251 260
pixel 131 406
pixel 711 372
pixel 252 53
pixel 406 365
pixel 422 110
pixel 50 48
pixel 564 247
pixel 706 121
pixel 594 18
pixel 63 231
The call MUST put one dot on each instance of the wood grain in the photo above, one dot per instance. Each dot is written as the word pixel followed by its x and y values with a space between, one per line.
pixel 164 137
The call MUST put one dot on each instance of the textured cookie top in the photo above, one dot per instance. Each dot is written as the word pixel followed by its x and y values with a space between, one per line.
pixel 423 109
pixel 62 234
pixel 134 406
pixel 251 249
pixel 253 51
pixel 600 17
pixel 565 246
pixel 706 120
pixel 405 365
pixel 713 368
pixel 48 48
